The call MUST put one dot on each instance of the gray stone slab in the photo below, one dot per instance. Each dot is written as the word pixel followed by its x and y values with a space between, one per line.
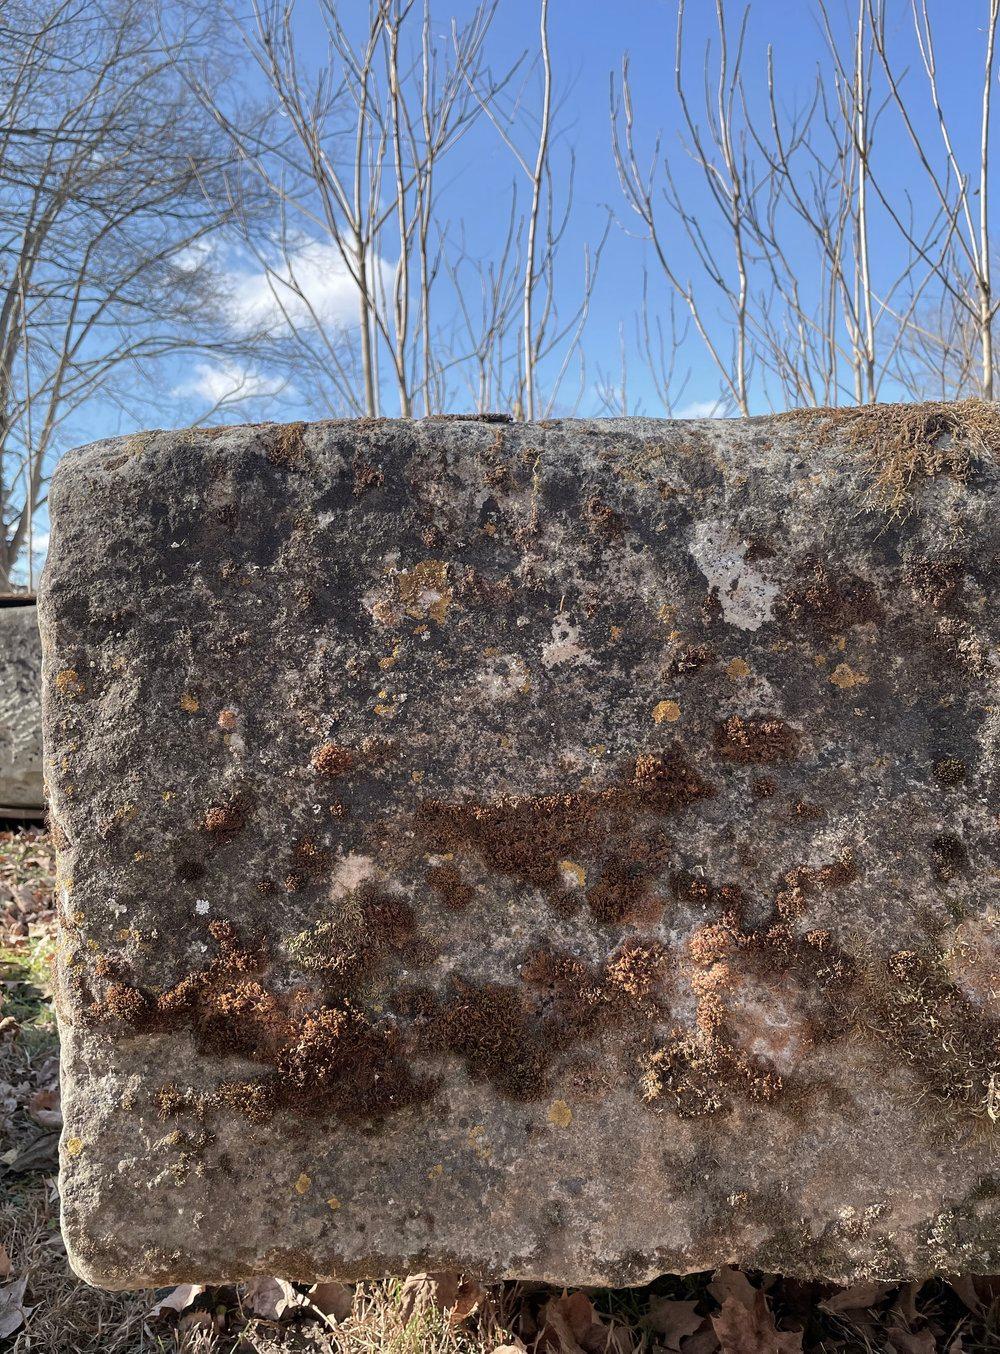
pixel 563 850
pixel 21 789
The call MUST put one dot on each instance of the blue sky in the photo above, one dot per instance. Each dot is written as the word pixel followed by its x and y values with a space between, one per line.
pixel 589 38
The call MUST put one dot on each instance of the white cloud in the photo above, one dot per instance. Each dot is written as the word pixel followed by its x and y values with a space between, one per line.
pixel 309 284
pixel 701 409
pixel 223 381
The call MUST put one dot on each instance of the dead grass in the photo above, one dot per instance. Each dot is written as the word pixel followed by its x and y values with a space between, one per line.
pixel 902 445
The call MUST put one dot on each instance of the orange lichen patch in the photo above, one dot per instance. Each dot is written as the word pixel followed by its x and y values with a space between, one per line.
pixel 756 738
pixel 666 712
pixel 371 927
pixel 310 859
pixel 696 1074
pixel 621 894
pixel 799 884
pixel 637 970
pixel 559 1114
pixel 424 591
pixel 847 677
pixel 737 669
pixel 603 519
pixel 366 476
pixel 228 720
pixel 327 1058
pixel 286 444
pixel 68 682
pixel 225 820
pixel 528 836
pixel 491 1028
pixel 189 703
pixel 330 759
pixel 447 882
pixel 336 1061
pixel 830 603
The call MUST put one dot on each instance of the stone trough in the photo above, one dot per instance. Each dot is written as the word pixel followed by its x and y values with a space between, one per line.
pixel 21 791
pixel 564 850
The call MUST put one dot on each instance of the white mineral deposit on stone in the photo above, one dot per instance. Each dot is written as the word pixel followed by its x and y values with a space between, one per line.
pixel 745 596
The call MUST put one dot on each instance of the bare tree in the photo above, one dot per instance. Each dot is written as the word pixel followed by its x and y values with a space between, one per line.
pixel 720 152
pixel 106 170
pixel 773 255
pixel 960 190
pixel 353 154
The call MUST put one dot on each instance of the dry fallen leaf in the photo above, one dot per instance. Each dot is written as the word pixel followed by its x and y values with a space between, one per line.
pixel 44 1107
pixel 4 1261
pixel 332 1299
pixel 570 1325
pixel 177 1299
pixel 704 1341
pixel 729 1282
pixel 447 1292
pixel 858 1297
pixel 673 1320
pixel 272 1299
pixel 903 1341
pixel 40 1155
pixel 13 1312
pixel 746 1329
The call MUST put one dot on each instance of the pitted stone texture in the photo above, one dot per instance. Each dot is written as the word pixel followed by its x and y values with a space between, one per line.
pixel 21 789
pixel 563 850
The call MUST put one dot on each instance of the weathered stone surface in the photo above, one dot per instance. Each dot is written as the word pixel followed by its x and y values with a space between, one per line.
pixel 565 850
pixel 21 790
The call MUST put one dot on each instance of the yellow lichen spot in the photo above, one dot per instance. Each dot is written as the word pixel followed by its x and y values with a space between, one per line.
pixel 840 643
pixel 74 1146
pixel 190 704
pixel 666 712
pixel 167 796
pixel 333 1203
pixel 390 660
pixel 68 682
pixel 820 660
pixel 385 711
pixel 435 1172
pixel 616 633
pixel 423 590
pixel 737 669
pixel 302 1184
pixel 481 1148
pixel 139 855
pixel 573 873
pixel 416 777
pixel 666 613
pixel 560 1114
pixel 845 677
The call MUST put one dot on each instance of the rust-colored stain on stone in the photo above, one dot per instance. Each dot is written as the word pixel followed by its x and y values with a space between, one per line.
pixel 494 884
